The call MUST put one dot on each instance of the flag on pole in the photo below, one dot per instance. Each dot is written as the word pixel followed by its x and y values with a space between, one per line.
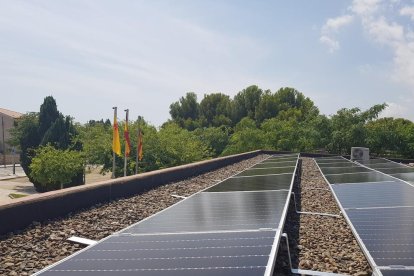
pixel 127 141
pixel 116 144
pixel 140 152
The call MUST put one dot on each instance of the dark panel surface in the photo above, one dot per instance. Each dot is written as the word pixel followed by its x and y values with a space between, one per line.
pixel 342 170
pixel 385 165
pixel 373 161
pixel 256 183
pixel 284 159
pixel 240 253
pixel 218 212
pixel 264 171
pixel 330 160
pixel 384 194
pixel 358 177
pixel 396 170
pixel 275 164
pixel 405 176
pixel 338 164
pixel 397 272
pixel 387 234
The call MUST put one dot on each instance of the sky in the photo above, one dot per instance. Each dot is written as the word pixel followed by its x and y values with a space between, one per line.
pixel 144 55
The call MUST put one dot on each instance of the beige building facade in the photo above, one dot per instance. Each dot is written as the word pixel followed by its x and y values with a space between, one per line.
pixel 7 119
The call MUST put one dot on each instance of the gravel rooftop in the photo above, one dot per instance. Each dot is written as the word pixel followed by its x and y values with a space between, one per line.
pixel 316 242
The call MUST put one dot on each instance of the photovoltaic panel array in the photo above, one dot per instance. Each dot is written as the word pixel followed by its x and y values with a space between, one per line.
pixel 392 168
pixel 379 209
pixel 231 228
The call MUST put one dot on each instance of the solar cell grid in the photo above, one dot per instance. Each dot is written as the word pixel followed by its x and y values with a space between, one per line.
pixel 409 177
pixel 341 170
pixel 358 177
pixel 384 165
pixel 396 170
pixel 233 252
pixel 397 272
pixel 265 171
pixel 275 164
pixel 232 228
pixel 257 183
pixel 387 233
pixel 218 212
pixel 380 194
pixel 380 210
pixel 337 164
pixel 373 161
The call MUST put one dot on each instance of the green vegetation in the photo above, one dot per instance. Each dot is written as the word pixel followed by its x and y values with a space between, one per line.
pixel 47 127
pixel 15 195
pixel 54 169
pixel 54 150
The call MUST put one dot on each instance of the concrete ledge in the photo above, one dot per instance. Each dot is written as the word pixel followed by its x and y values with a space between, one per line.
pixel 40 207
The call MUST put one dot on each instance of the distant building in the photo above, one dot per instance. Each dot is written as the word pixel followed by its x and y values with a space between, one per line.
pixel 7 119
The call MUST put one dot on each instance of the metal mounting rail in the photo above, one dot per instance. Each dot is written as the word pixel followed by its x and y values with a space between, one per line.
pixel 312 213
pixel 303 271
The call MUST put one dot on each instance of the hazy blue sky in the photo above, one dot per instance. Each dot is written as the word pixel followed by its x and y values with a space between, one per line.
pixel 143 55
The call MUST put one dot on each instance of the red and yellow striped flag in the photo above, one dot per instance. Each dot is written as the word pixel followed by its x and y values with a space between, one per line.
pixel 116 144
pixel 140 140
pixel 127 141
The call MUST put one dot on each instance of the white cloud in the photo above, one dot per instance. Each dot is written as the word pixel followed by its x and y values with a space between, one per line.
pixel 375 17
pixel 365 7
pixel 332 44
pixel 385 32
pixel 397 110
pixel 334 24
pixel 409 11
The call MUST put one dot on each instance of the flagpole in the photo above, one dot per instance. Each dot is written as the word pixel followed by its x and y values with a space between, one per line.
pixel 125 154
pixel 113 152
pixel 137 160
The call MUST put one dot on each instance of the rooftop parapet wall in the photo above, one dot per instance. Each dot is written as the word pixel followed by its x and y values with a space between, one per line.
pixel 41 207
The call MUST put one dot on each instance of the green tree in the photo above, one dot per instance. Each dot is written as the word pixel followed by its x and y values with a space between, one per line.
pixel 348 127
pixel 246 102
pixel 288 98
pixel 46 127
pixel 185 111
pixel 25 136
pixel 54 169
pixel 389 136
pixel 178 146
pixel 48 115
pixel 268 107
pixel 96 140
pixel 215 110
pixel 247 137
pixel 216 138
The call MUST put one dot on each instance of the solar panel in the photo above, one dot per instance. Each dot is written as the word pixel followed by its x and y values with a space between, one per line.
pixel 387 234
pixel 218 212
pixel 282 159
pixel 358 177
pixel 275 164
pixel 396 170
pixel 341 170
pixel 385 165
pixel 265 171
pixel 379 194
pixel 397 272
pixel 256 183
pixel 232 228
pixel 240 253
pixel 392 168
pixel 380 211
pixel 405 176
pixel 337 164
